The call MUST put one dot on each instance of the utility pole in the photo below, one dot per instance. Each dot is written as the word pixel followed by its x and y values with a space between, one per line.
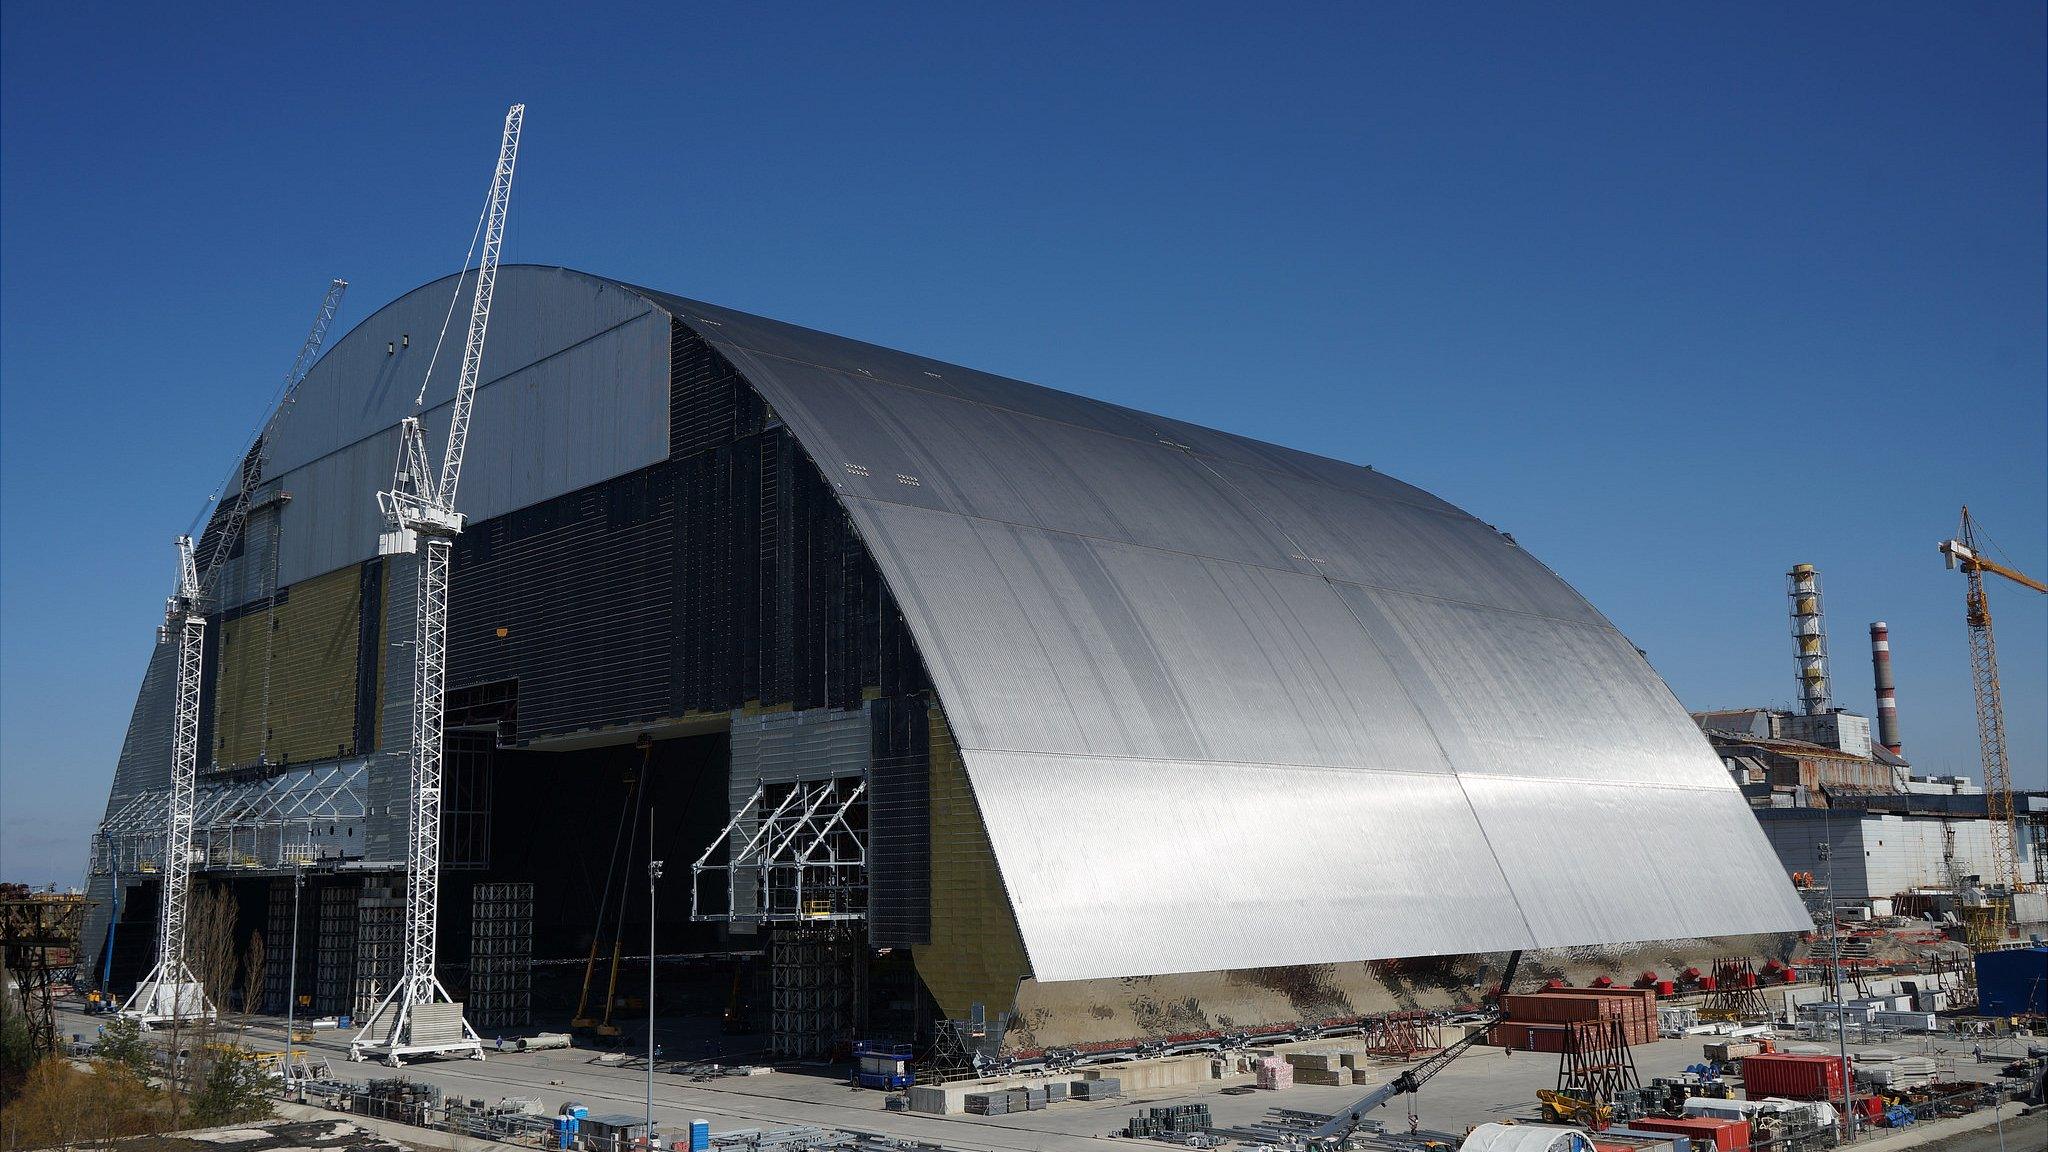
pixel 653 875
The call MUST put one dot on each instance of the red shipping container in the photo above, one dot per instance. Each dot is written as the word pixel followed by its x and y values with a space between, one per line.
pixel 1724 1135
pixel 1524 1037
pixel 1634 1007
pixel 1639 1010
pixel 1792 1076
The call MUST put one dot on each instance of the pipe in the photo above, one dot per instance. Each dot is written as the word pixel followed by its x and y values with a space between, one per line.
pixel 1887 692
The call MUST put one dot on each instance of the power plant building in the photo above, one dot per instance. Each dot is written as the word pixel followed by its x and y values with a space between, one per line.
pixel 927 685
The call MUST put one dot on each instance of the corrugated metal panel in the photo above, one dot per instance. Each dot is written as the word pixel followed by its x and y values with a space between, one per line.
pixel 358 389
pixel 899 824
pixel 770 748
pixel 1127 615
pixel 1323 864
pixel 1625 861
pixel 1063 644
pixel 309 644
pixel 594 410
pixel 384 832
pixel 145 761
pixel 572 599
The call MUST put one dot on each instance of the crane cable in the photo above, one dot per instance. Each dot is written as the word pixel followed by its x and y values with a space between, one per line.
pixel 453 298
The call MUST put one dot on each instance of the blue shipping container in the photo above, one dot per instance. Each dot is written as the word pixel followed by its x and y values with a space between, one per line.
pixel 2013 982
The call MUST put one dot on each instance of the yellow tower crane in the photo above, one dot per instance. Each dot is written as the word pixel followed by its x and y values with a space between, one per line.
pixel 1963 551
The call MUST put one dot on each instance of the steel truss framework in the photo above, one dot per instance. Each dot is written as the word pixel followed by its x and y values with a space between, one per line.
pixel 805 859
pixel 262 825
pixel 32 927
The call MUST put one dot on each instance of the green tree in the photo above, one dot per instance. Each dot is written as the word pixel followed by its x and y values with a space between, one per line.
pixel 123 1045
pixel 234 1089
pixel 16 1054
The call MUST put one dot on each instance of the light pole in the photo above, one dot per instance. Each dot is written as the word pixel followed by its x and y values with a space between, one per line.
pixel 653 875
pixel 1841 1008
pixel 291 996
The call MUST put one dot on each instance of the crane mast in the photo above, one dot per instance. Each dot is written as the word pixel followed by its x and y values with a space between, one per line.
pixel 1964 551
pixel 257 459
pixel 417 1016
pixel 170 992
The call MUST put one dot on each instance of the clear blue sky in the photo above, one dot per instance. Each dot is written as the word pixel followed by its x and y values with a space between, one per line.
pixel 1679 295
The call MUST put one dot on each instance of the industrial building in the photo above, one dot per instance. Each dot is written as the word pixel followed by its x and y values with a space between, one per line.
pixel 929 686
pixel 1840 803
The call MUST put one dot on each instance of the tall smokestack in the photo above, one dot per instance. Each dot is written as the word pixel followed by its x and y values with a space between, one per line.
pixel 1809 638
pixel 1887 697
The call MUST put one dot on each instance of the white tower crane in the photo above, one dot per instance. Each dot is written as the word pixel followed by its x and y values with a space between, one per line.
pixel 170 992
pixel 418 1017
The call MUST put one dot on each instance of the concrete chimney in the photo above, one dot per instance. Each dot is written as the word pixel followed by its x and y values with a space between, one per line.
pixel 1887 697
pixel 1809 638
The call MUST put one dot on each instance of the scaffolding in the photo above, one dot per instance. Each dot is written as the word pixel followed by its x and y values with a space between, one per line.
pixel 796 854
pixel 334 968
pixel 277 947
pixel 813 992
pixel 501 955
pixel 380 943
pixel 282 822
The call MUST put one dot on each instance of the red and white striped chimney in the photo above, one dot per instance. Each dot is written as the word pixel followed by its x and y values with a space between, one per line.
pixel 1887 693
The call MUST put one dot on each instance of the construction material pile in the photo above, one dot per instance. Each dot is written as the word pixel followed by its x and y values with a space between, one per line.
pixel 1543 1021
pixel 1173 1123
pixel 1330 1068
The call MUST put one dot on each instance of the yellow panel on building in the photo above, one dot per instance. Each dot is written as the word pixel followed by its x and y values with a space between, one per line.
pixel 976 955
pixel 285 684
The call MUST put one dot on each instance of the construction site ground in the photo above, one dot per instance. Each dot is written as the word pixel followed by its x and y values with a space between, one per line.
pixel 1485 1085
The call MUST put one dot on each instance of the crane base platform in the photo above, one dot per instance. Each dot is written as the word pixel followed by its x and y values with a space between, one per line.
pixel 164 1001
pixel 398 1032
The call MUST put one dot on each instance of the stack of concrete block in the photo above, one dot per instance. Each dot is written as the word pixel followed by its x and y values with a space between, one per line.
pixel 1055 1091
pixel 1275 1073
pixel 1324 1068
pixel 1034 1099
pixel 988 1103
pixel 1106 1088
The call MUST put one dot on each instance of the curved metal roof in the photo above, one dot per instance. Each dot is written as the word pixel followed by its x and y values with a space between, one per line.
pixel 1222 704
pixel 1229 705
